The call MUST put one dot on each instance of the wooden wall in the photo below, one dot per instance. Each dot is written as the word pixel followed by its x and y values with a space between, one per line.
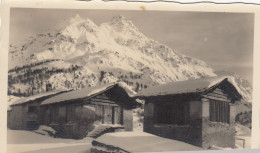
pixel 219 105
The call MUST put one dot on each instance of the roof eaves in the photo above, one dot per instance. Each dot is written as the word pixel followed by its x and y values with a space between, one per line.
pixel 29 101
pixel 85 98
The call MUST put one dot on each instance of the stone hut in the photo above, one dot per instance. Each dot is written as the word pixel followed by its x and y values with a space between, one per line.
pixel 90 111
pixel 200 111
pixel 23 114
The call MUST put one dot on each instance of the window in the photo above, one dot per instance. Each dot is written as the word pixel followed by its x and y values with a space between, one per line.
pixel 219 111
pixel 173 113
pixel 32 109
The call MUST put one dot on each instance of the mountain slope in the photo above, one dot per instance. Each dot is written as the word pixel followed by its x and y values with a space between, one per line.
pixel 85 54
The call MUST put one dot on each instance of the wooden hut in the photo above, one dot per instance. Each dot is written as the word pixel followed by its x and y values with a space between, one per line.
pixel 90 111
pixel 200 111
pixel 23 113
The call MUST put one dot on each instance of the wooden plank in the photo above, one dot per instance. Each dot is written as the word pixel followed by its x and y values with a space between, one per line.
pixel 225 113
pixel 214 111
pixel 219 91
pixel 102 100
pixel 210 112
pixel 216 98
pixel 217 95
pixel 102 96
pixel 222 111
pixel 105 104
pixel 219 111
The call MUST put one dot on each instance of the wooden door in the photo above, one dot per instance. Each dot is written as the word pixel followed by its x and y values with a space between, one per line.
pixel 108 115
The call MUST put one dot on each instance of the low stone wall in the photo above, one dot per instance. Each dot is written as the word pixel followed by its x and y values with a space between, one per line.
pixel 73 130
pixel 218 134
pixel 79 127
pixel 190 133
pixel 186 133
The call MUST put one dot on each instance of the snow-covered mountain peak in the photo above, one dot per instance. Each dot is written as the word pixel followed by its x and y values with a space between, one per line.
pixel 121 23
pixel 78 26
pixel 77 19
pixel 120 20
pixel 115 50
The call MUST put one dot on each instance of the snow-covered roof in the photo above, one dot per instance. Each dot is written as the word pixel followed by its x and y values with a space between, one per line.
pixel 37 96
pixel 84 93
pixel 188 86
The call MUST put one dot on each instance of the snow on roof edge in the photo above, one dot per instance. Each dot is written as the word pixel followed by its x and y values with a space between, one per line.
pixel 187 86
pixel 62 98
pixel 37 96
pixel 89 92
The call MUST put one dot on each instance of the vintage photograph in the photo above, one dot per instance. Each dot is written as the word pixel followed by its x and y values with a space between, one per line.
pixel 99 81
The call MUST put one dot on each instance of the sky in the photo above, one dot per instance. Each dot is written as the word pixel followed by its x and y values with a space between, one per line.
pixel 223 40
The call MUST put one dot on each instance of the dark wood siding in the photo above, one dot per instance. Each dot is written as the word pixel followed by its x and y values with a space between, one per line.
pixel 70 113
pixel 219 111
pixel 54 114
pixel 107 110
pixel 219 105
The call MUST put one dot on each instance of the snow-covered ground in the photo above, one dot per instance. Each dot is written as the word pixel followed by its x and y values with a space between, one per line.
pixel 20 141
pixel 245 134
pixel 143 142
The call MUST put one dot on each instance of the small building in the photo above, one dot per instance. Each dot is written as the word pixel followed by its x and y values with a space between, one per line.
pixel 76 114
pixel 200 111
pixel 23 114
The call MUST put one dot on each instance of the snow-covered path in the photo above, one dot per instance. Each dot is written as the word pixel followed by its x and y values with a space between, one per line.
pixel 43 147
pixel 20 141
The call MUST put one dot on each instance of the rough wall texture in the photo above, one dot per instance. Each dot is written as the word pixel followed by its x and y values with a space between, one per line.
pixel 217 134
pixel 195 110
pixel 232 113
pixel 200 131
pixel 190 133
pixel 19 117
pixel 148 117
pixel 84 121
pixel 77 129
pixel 16 118
pixel 128 120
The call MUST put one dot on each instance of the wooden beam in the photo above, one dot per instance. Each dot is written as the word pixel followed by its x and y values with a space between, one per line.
pixel 100 103
pixel 102 100
pixel 219 91
pixel 216 98
pixel 102 96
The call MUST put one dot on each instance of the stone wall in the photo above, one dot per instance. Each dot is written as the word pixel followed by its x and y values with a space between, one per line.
pixel 19 117
pixel 217 134
pixel 148 117
pixel 128 120
pixel 16 118
pixel 84 121
pixel 79 127
pixel 190 133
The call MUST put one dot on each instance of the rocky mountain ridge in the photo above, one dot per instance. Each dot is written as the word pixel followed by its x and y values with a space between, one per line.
pixel 84 54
